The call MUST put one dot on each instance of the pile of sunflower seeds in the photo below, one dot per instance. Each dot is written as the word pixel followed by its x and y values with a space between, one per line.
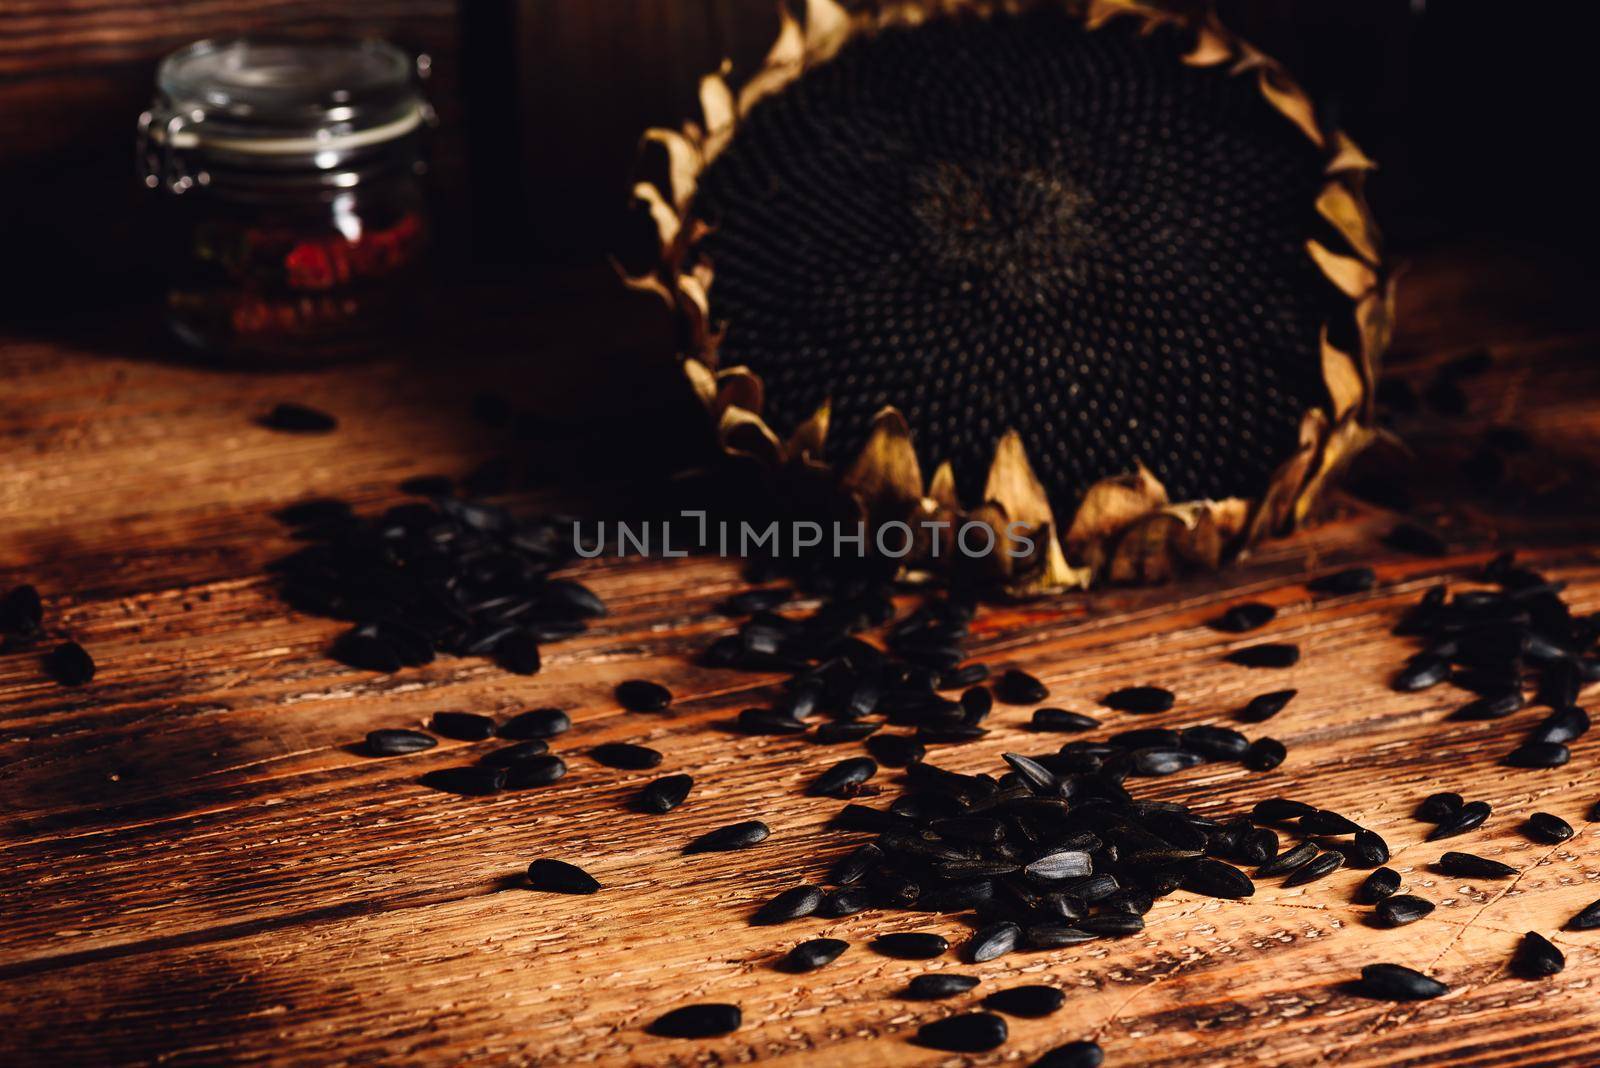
pixel 22 628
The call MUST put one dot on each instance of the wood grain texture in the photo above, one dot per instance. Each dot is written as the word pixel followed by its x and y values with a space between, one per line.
pixel 199 868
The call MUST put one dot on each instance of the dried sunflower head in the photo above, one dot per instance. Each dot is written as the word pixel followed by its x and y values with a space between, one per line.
pixel 1097 267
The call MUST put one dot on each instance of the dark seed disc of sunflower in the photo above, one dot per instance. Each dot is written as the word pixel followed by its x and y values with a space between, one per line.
pixel 1350 580
pixel 1269 655
pixel 1544 827
pixel 937 985
pixel 534 771
pixel 910 945
pixel 733 836
pixel 895 750
pixel 1041 223
pixel 840 733
pixel 559 877
pixel 1537 957
pixel 1421 672
pixel 639 695
pixel 1059 719
pixel 1216 879
pixel 973 1032
pixel 991 941
pixel 1265 754
pixel 517 651
pixel 792 904
pixel 1030 1001
pixel 538 723
pixel 462 726
pixel 698 1021
pixel 21 612
pixel 1468 817
pixel 398 742
pixel 1587 920
pixel 1323 821
pixel 1139 699
pixel 665 794
pixel 1382 883
pixel 626 756
pixel 1561 726
pixel 1245 617
pixel 1368 850
pixel 1323 864
pixel 1265 706
pixel 1280 810
pixel 813 954
pixel 469 782
pixel 1084 1053
pixel 1401 909
pixel 508 755
pixel 1394 982
pixel 841 779
pixel 1437 808
pixel 1538 755
pixel 1020 688
pixel 298 419
pixel 1288 861
pixel 1470 866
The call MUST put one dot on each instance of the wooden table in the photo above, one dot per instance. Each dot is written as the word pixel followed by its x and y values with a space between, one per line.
pixel 199 866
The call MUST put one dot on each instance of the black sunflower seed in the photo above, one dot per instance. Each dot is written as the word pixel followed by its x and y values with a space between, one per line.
pixel 1398 910
pixel 1539 755
pixel 991 941
pixel 1084 1053
pixel 855 864
pixel 626 756
pixel 1468 817
pixel 1368 850
pixel 937 985
pixel 398 742
pixel 1215 743
pixel 298 419
pixel 1020 688
pixel 1264 707
pixel 841 733
pixel 1437 808
pixel 1280 810
pixel 949 733
pixel 768 721
pixel 1537 957
pixel 845 901
pixel 537 723
pixel 1421 672
pixel 639 695
pixel 1265 754
pixel 1245 617
pixel 1544 827
pixel 1394 982
pixel 1350 580
pixel 462 726
pixel 1288 861
pixel 698 1021
pixel 1266 655
pixel 753 601
pixel 365 652
pixel 895 750
pixel 1470 866
pixel 1112 924
pixel 1030 1001
pixel 1060 864
pixel 813 954
pixel 1056 936
pixel 559 877
pixel 1561 726
pixel 665 793
pixel 1385 882
pixel 517 651
pixel 792 904
pixel 733 836
pixel 1258 846
pixel 1418 541
pixel 508 755
pixel 534 771
pixel 21 612
pixel 428 485
pixel 841 779
pixel 1216 879
pixel 1139 699
pixel 1323 821
pixel 69 664
pixel 972 1032
pixel 910 945
pixel 976 704
pixel 469 782
pixel 1160 760
pixel 1323 864
pixel 1038 778
pixel 1059 719
pixel 1586 920
pixel 966 675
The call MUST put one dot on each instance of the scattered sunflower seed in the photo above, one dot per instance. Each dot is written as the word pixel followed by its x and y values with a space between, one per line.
pixel 538 723
pixel 1394 982
pixel 1059 719
pixel 842 779
pixel 1139 699
pixel 813 954
pixel 910 945
pixel 1245 617
pixel 626 756
pixel 1020 688
pixel 1385 882
pixel 1264 707
pixel 993 940
pixel 698 1021
pixel 1268 655
pixel 1544 827
pixel 639 695
pixel 559 877
pixel 937 985
pixel 1437 808
pixel 1398 910
pixel 69 664
pixel 1539 755
pixel 1468 817
pixel 1323 864
pixel 294 418
pixel 1350 580
pixel 973 1032
pixel 462 726
pixel 895 750
pixel 1084 1053
pixel 398 742
pixel 534 771
pixel 665 793
pixel 792 904
pixel 733 836
pixel 1470 866
pixel 1028 1001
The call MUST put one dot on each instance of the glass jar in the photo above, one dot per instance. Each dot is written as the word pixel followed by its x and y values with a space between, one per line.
pixel 291 172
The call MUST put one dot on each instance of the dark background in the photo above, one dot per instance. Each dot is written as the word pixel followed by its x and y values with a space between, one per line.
pixel 1477 112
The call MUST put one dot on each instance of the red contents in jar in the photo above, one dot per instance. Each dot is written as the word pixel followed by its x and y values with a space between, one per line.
pixel 327 262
